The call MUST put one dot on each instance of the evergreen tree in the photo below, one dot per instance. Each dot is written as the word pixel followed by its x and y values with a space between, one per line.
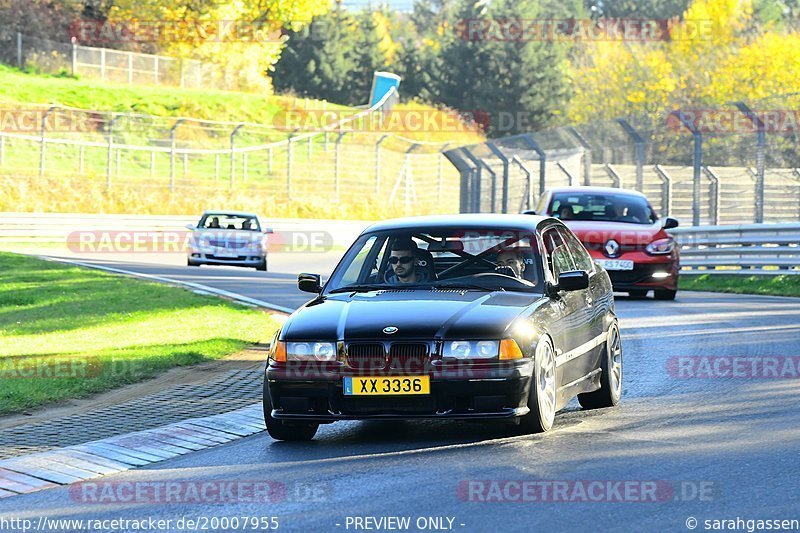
pixel 368 56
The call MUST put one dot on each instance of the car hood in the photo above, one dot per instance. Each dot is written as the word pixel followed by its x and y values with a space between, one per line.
pixel 417 314
pixel 599 232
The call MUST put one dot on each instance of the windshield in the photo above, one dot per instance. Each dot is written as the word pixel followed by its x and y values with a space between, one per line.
pixel 479 259
pixel 229 222
pixel 609 207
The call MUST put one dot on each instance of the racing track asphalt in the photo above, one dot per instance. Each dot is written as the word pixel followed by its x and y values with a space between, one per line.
pixel 725 448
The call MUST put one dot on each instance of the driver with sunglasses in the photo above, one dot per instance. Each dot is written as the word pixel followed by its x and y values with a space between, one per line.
pixel 403 260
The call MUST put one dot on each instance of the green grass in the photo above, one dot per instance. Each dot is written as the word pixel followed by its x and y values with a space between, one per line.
pixel 66 332
pixel 786 285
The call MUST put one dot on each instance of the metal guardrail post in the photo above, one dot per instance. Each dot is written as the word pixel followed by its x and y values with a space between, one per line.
pixel 110 153
pixel 666 190
pixel 44 140
pixel 20 62
pixel 233 153
pixel 715 192
pixel 697 160
pixel 172 154
pixel 542 160
pixel 638 149
pixel 466 172
pixel 74 62
pixel 587 154
pixel 761 146
pixel 504 201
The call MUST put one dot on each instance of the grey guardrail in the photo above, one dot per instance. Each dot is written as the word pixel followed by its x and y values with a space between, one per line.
pixel 767 249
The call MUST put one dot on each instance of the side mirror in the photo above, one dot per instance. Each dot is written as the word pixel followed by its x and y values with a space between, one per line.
pixel 309 283
pixel 190 227
pixel 574 280
pixel 268 231
pixel 670 223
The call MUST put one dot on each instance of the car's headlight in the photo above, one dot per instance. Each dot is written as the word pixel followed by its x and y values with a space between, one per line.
pixel 503 349
pixel 660 246
pixel 254 247
pixel 311 351
pixel 471 349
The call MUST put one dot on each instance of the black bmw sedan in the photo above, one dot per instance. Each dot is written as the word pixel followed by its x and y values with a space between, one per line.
pixel 500 317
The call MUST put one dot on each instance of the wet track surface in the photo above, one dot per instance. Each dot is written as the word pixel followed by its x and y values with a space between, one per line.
pixel 715 447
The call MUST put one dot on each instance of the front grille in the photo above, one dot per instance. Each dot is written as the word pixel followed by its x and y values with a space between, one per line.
pixel 227 244
pixel 237 258
pixel 366 357
pixel 409 358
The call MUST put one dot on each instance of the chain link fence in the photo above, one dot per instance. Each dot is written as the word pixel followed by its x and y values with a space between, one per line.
pixel 736 164
pixel 119 66
pixel 185 155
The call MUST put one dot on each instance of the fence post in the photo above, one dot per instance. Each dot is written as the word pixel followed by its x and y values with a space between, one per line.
pixel 439 173
pixel 714 205
pixel 542 160
pixel 44 141
pixel 761 145
pixel 172 154
pixel 567 173
pixel 74 58
pixel 130 68
pixel 119 162
pixel 638 151
pixel 614 175
pixel 233 152
pixel 102 64
pixel 336 164
pixel 378 163
pixel 475 191
pixel 697 160
pixel 528 197
pixel 587 154
pixel 155 70
pixel 504 201
pixel 110 154
pixel 289 161
pixel 666 190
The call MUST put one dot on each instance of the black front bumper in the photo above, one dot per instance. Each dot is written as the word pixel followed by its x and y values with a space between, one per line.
pixel 483 393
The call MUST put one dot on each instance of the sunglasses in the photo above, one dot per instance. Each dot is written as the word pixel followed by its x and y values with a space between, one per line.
pixel 404 259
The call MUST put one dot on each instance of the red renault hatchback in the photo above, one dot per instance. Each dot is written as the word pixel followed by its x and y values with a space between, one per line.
pixel 623 234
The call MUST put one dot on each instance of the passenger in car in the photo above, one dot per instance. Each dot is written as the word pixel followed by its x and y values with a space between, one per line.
pixel 214 224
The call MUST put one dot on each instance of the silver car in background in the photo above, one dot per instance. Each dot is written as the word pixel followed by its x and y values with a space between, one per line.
pixel 228 238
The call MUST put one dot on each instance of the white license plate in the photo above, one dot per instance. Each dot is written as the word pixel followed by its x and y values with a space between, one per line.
pixel 224 252
pixel 615 264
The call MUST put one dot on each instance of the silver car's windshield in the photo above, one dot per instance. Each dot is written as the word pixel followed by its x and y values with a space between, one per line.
pixel 480 259
pixel 229 222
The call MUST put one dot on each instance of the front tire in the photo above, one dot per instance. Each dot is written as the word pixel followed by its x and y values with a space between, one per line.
pixel 288 431
pixel 542 396
pixel 262 266
pixel 610 390
pixel 664 295
pixel 638 293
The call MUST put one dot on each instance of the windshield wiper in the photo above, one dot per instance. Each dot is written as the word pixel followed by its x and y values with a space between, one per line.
pixel 361 288
pixel 466 285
